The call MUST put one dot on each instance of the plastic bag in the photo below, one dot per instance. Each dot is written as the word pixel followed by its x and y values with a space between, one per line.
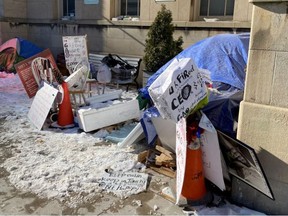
pixel 104 74
pixel 179 90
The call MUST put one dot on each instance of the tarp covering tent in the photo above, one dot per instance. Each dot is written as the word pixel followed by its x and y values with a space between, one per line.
pixel 15 50
pixel 224 55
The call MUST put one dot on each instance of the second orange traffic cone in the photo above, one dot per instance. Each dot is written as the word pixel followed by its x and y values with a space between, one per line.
pixel 194 189
pixel 194 183
pixel 65 115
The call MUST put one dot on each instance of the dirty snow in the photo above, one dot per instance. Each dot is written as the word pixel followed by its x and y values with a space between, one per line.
pixel 64 164
pixel 54 163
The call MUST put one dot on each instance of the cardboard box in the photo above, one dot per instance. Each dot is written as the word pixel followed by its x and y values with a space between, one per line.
pixel 93 119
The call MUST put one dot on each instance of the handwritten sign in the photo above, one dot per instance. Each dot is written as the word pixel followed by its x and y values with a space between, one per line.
pixel 124 183
pixel 41 105
pixel 75 50
pixel 178 89
pixel 211 154
pixel 181 151
pixel 24 71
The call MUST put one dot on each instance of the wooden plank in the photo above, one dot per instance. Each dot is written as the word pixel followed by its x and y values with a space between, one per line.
pixel 165 171
pixel 165 151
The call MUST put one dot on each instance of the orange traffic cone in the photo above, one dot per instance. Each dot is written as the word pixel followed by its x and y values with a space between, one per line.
pixel 194 183
pixel 65 115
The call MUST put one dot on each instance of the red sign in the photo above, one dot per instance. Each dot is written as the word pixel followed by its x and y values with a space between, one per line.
pixel 24 71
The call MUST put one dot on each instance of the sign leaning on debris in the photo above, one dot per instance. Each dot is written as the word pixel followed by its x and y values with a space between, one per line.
pixel 75 50
pixel 243 163
pixel 41 105
pixel 211 154
pixel 178 89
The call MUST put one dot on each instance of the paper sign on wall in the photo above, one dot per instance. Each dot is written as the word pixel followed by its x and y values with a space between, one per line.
pixel 41 105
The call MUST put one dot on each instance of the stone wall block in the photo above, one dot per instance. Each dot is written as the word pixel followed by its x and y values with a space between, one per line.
pixel 259 78
pixel 272 34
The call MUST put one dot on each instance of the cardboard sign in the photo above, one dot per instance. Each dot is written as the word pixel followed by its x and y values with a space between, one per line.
pixel 24 71
pixel 124 183
pixel 41 105
pixel 243 163
pixel 181 151
pixel 178 89
pixel 211 154
pixel 75 51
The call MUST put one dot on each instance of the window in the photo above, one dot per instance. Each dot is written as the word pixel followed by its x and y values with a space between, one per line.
pixel 69 8
pixel 216 8
pixel 130 8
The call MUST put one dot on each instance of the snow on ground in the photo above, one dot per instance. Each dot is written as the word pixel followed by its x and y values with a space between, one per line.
pixel 63 164
pixel 54 163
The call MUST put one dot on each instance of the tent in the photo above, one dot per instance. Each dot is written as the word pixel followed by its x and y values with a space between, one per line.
pixel 15 50
pixel 224 55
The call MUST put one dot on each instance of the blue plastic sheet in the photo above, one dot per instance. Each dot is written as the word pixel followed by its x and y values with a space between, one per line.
pixel 224 55
pixel 28 49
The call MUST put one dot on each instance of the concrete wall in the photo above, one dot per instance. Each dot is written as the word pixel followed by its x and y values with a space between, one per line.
pixel 14 8
pixel 263 119
pixel 242 11
pixel 40 21
pixel 180 10
pixel 41 9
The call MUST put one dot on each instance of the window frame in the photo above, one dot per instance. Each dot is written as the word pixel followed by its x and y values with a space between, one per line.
pixel 118 9
pixel 67 13
pixel 198 17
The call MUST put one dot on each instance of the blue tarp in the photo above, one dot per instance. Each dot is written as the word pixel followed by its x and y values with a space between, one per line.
pixel 28 49
pixel 224 55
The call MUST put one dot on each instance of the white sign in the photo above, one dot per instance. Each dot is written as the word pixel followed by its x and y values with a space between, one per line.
pixel 124 183
pixel 178 89
pixel 41 105
pixel 181 151
pixel 91 1
pixel 211 154
pixel 75 51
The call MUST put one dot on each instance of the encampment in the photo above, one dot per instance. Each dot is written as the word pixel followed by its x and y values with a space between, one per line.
pixel 15 50
pixel 224 55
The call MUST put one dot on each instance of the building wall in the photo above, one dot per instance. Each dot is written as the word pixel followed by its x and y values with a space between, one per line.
pixel 42 22
pixel 242 11
pixel 14 8
pixel 180 10
pixel 263 118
